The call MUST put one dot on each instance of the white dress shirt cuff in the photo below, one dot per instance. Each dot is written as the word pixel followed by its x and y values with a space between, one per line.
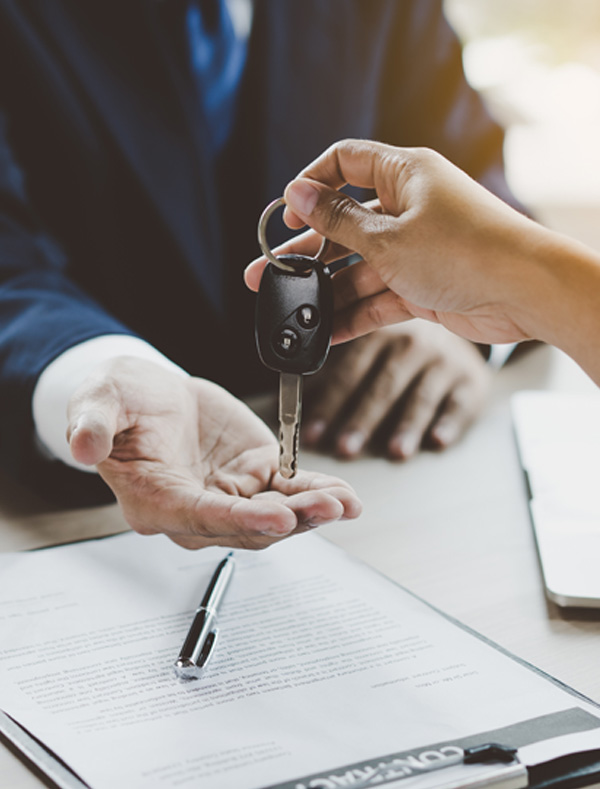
pixel 499 354
pixel 63 376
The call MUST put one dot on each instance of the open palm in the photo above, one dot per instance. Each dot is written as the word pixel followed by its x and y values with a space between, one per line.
pixel 186 458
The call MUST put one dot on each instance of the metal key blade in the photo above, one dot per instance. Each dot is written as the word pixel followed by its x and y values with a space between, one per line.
pixel 290 409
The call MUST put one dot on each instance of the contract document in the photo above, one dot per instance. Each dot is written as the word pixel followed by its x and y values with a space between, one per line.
pixel 322 668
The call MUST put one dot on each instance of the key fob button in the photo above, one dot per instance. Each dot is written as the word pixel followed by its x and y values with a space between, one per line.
pixel 287 343
pixel 308 316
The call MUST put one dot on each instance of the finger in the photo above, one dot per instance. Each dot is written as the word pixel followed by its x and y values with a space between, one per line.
pixel 315 507
pixel 342 378
pixel 93 423
pixel 234 515
pixel 321 483
pixel 293 221
pixel 313 198
pixel 333 214
pixel 422 403
pixel 459 410
pixel 356 162
pixel 397 369
pixel 253 273
pixel 354 283
pixel 374 312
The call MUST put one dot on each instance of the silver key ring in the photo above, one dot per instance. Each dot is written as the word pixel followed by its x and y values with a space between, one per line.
pixel 264 244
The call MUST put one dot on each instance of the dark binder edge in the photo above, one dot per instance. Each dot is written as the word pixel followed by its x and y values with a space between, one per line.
pixel 46 765
pixel 581 769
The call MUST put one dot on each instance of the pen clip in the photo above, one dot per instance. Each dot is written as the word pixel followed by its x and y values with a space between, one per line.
pixel 207 648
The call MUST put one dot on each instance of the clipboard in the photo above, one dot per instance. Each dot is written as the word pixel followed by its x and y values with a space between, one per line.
pixel 406 769
pixel 494 766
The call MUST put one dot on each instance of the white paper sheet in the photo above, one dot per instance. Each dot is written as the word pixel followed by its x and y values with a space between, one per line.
pixel 321 663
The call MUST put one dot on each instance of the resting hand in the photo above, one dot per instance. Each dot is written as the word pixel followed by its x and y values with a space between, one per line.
pixel 434 244
pixel 186 458
pixel 397 389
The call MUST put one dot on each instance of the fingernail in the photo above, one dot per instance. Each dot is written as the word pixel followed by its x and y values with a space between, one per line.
pixel 351 443
pixel 315 523
pixel 301 197
pixel 71 430
pixel 313 432
pixel 275 531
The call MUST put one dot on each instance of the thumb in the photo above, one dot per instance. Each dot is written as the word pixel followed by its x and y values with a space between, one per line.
pixel 92 427
pixel 331 213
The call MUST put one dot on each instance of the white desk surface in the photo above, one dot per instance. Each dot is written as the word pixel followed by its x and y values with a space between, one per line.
pixel 452 527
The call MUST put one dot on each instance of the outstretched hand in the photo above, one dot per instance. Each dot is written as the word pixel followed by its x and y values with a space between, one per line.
pixel 186 458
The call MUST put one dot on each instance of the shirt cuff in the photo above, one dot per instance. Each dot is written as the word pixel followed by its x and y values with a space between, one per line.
pixel 63 376
pixel 499 354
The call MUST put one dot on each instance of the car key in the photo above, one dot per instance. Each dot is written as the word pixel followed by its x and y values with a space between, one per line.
pixel 293 331
pixel 294 314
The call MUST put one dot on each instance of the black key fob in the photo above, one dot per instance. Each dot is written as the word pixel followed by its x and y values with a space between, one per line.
pixel 294 316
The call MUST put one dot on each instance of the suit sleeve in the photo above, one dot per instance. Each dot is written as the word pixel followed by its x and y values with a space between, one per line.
pixel 426 100
pixel 42 313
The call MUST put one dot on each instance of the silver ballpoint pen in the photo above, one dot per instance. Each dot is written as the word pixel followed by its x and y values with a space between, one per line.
pixel 200 640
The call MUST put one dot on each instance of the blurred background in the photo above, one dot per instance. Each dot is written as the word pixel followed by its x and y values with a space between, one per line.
pixel 537 63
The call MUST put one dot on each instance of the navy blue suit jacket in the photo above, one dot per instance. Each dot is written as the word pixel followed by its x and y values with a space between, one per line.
pixel 114 219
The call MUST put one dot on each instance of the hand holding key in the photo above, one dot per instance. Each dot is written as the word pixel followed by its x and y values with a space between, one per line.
pixel 294 313
pixel 394 392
